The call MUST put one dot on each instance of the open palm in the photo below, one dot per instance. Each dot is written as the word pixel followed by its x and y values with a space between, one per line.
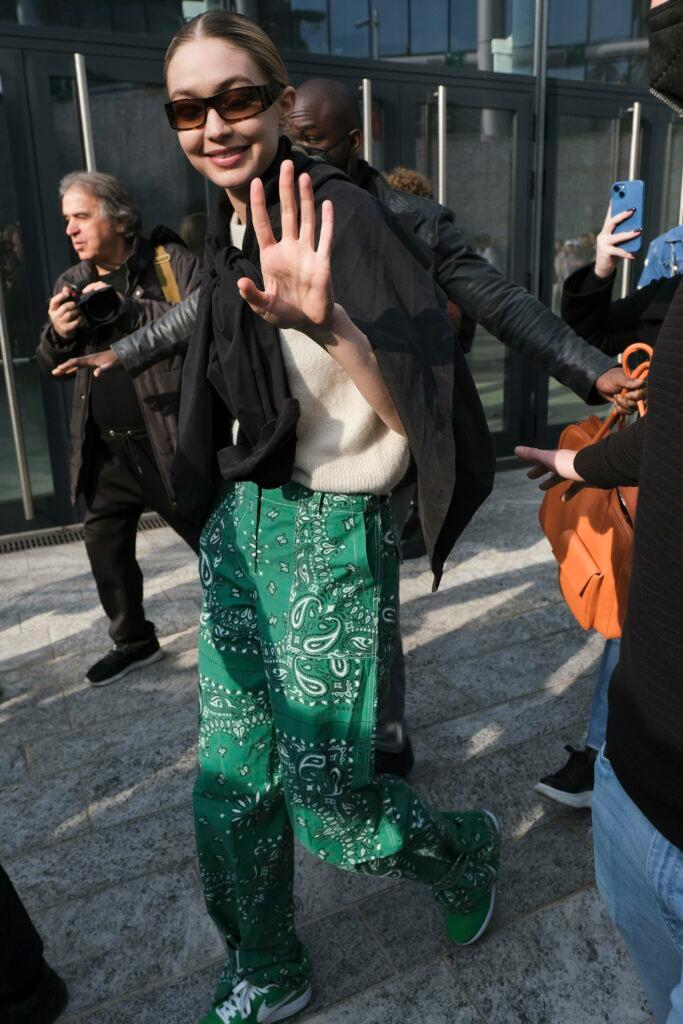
pixel 297 285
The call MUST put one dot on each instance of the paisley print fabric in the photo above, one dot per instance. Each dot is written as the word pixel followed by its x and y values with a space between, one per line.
pixel 297 630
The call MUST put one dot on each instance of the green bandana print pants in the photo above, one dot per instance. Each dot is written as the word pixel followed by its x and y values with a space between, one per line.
pixel 297 633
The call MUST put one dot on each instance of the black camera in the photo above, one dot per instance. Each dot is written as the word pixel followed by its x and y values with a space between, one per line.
pixel 99 307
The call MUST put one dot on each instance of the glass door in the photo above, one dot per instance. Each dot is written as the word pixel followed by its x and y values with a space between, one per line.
pixel 589 147
pixel 486 153
pixel 33 436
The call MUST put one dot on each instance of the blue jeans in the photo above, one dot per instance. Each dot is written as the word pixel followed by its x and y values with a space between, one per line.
pixel 597 724
pixel 640 878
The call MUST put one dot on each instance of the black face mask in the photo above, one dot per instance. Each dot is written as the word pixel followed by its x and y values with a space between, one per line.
pixel 316 151
pixel 665 60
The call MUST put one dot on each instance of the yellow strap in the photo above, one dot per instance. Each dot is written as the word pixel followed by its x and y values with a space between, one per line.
pixel 167 280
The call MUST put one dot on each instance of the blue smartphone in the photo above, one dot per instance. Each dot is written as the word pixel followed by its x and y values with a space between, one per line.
pixel 629 195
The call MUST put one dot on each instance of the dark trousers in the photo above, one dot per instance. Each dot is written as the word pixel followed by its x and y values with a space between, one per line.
pixel 21 947
pixel 122 479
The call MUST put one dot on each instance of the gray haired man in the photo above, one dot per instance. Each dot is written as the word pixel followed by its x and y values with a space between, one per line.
pixel 122 431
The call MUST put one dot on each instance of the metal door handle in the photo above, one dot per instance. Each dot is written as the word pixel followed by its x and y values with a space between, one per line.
pixel 442 143
pixel 366 90
pixel 633 167
pixel 84 112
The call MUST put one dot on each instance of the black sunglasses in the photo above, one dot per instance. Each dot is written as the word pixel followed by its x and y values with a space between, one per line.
pixel 230 105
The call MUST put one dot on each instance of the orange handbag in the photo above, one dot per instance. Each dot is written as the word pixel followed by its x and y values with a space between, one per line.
pixel 591 532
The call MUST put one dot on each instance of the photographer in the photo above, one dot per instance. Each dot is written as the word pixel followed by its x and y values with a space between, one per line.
pixel 122 431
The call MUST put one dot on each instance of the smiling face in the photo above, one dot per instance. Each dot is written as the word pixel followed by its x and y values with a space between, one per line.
pixel 230 154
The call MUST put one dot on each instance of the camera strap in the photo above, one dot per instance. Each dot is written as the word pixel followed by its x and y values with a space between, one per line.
pixel 165 275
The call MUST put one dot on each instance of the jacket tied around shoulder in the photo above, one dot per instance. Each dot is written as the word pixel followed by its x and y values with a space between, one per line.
pixel 234 369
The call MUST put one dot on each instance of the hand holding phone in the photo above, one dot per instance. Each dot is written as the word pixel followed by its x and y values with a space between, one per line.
pixel 630 196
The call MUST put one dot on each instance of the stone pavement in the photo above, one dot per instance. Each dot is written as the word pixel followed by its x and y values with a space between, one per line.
pixel 96 827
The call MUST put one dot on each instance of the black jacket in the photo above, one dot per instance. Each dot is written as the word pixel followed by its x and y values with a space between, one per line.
pixel 645 725
pixel 665 68
pixel 506 310
pixel 380 280
pixel 157 389
pixel 587 306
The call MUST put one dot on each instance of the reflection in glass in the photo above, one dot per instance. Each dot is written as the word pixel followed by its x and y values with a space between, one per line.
pixel 484 35
pixel 308 26
pixel 429 27
pixel 23 340
pixel 598 40
pixel 139 17
pixel 672 199
pixel 67 132
pixel 347 40
pixel 133 142
pixel 480 176
pixel 393 26
pixel 592 153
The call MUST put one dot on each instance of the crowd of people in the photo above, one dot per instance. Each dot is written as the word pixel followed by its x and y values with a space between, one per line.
pixel 287 402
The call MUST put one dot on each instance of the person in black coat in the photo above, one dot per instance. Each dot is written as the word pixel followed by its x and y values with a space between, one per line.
pixel 611 325
pixel 638 798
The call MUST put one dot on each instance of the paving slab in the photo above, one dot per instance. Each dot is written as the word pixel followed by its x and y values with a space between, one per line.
pixel 95 789
pixel 563 964
pixel 125 939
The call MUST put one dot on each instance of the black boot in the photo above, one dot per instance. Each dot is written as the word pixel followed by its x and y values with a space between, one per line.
pixel 43 1006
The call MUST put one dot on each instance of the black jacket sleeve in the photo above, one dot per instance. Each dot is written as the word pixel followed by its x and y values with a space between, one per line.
pixel 587 307
pixel 513 315
pixel 165 337
pixel 614 461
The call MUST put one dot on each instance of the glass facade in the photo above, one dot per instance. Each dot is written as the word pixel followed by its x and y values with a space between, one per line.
pixel 488 35
pixel 598 40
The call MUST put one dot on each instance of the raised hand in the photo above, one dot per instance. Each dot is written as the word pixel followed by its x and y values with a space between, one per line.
pixel 607 251
pixel 297 284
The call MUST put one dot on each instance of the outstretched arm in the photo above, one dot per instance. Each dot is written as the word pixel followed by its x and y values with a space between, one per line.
pixel 297 288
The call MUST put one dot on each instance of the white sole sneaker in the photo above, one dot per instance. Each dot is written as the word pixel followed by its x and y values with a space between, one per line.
pixel 157 656
pixel 282 1012
pixel 575 800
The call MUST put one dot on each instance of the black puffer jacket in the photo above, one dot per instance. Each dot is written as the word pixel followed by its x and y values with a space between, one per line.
pixel 504 308
pixel 157 389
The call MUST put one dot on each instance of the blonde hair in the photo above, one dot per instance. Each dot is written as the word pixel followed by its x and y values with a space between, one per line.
pixel 237 31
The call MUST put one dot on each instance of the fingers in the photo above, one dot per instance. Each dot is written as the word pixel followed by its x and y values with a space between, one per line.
pixel 288 209
pixel 258 300
pixel 551 482
pixel 618 218
pixel 326 231
pixel 528 454
pixel 621 254
pixel 307 230
pixel 259 216
pixel 624 236
pixel 66 368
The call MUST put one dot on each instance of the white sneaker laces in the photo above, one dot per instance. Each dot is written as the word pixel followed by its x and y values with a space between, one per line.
pixel 239 1001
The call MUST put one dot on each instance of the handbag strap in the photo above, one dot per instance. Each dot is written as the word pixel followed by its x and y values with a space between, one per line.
pixel 636 372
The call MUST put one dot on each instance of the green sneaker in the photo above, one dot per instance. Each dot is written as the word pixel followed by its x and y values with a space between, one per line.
pixel 465 929
pixel 251 1004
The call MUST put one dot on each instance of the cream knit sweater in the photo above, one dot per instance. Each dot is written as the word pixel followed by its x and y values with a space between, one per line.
pixel 343 447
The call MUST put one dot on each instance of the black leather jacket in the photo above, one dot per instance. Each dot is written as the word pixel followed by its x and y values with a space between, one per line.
pixel 507 310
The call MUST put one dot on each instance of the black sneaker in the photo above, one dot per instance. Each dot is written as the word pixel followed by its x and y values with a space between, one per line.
pixel 44 1006
pixel 573 784
pixel 400 763
pixel 122 659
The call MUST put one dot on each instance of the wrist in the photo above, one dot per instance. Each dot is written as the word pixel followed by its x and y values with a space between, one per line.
pixel 604 269
pixel 335 327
